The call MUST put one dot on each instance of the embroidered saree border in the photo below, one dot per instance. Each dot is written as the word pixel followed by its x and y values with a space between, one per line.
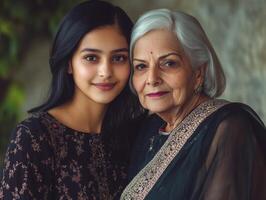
pixel 144 181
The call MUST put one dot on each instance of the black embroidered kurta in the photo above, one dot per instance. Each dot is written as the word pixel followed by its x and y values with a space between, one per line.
pixel 47 160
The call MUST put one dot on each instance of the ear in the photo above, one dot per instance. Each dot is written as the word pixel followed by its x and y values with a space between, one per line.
pixel 199 75
pixel 69 70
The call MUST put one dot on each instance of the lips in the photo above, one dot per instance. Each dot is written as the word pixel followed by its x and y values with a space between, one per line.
pixel 104 86
pixel 157 94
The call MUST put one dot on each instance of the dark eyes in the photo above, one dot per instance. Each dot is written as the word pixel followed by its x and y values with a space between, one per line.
pixel 119 58
pixel 169 63
pixel 140 67
pixel 113 59
pixel 91 58
pixel 163 64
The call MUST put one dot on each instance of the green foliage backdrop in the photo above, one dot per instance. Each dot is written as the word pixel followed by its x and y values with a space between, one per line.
pixel 20 21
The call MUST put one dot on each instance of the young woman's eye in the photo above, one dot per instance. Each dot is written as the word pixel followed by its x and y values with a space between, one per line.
pixel 119 58
pixel 139 67
pixel 91 58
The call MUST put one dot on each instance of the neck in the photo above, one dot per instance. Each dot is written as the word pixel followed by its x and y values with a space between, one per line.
pixel 176 115
pixel 81 113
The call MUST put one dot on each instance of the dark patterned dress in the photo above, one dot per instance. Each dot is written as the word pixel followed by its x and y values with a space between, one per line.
pixel 47 160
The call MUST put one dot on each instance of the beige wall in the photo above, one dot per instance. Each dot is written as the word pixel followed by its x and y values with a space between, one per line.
pixel 237 30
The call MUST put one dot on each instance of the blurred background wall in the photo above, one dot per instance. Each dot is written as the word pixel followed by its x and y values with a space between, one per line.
pixel 236 28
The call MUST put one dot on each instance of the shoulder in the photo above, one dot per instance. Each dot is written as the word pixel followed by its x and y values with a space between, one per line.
pixel 30 134
pixel 29 160
pixel 235 111
pixel 234 119
pixel 236 122
pixel 33 124
pixel 29 145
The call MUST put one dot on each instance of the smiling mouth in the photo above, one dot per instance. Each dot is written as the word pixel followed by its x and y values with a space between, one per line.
pixel 104 86
pixel 157 94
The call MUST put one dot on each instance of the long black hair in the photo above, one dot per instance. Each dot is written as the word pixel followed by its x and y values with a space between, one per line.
pixel 80 20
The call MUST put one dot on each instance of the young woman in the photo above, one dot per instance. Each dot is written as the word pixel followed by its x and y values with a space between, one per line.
pixel 76 145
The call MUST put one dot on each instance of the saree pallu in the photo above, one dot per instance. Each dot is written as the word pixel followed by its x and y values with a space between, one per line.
pixel 218 152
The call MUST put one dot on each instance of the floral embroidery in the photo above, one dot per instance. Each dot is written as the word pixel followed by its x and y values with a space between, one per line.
pixel 47 160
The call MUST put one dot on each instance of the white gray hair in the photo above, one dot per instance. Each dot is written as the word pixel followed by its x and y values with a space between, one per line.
pixel 193 39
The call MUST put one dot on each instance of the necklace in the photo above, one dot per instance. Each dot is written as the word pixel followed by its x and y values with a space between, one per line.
pixel 151 144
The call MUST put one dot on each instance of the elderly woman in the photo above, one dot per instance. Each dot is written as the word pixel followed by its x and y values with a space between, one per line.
pixel 195 146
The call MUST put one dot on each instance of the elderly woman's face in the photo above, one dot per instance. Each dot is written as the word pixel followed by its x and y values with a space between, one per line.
pixel 163 76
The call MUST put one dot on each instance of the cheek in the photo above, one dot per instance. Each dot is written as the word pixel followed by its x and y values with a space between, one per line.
pixel 182 89
pixel 80 70
pixel 85 73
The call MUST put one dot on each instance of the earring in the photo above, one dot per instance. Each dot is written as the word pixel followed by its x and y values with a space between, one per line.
pixel 198 89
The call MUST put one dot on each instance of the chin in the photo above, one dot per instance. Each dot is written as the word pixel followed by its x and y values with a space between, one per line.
pixel 157 109
pixel 156 106
pixel 103 99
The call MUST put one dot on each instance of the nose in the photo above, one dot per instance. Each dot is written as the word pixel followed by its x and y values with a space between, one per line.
pixel 153 76
pixel 105 70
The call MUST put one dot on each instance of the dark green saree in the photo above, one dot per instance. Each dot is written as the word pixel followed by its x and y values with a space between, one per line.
pixel 218 152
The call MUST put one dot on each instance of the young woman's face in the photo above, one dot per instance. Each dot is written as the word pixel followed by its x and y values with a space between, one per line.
pixel 100 65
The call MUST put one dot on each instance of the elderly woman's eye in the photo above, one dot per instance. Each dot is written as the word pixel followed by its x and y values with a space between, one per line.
pixel 139 67
pixel 169 63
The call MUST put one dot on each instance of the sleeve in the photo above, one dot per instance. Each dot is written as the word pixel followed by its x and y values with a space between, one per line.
pixel 235 168
pixel 27 172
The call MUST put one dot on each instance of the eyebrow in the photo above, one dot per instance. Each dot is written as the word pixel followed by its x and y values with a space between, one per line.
pixel 100 51
pixel 161 57
pixel 169 54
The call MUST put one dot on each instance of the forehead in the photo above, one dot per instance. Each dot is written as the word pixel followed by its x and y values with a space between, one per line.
pixel 104 37
pixel 156 42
